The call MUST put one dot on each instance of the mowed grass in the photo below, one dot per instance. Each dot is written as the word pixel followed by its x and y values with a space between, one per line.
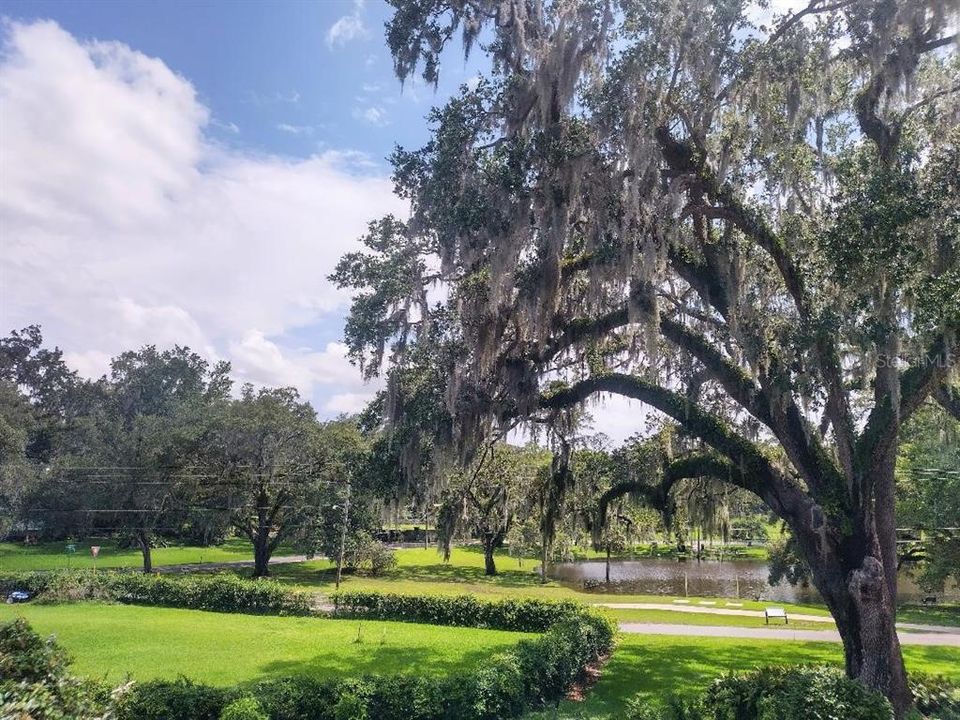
pixel 54 555
pixel 654 666
pixel 111 641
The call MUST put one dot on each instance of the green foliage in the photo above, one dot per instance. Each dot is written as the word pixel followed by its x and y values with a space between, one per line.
pixel 245 708
pixel 536 673
pixel 219 593
pixel 520 614
pixel 181 699
pixel 786 562
pixel 935 697
pixel 35 682
pixel 774 693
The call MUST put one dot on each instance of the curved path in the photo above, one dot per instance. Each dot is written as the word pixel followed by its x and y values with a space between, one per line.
pixel 784 633
pixel 758 614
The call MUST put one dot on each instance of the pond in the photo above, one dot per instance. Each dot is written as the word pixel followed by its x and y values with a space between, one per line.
pixel 745 579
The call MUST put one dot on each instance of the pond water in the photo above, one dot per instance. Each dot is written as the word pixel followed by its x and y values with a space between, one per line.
pixel 708 578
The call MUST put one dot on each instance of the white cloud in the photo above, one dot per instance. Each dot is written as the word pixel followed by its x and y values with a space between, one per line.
pixel 373 115
pixel 122 223
pixel 347 28
pixel 295 129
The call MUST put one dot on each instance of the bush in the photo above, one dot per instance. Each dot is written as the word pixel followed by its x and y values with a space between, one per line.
pixel 36 683
pixel 376 558
pixel 220 593
pixel 936 697
pixel 775 693
pixel 178 700
pixel 521 614
pixel 245 708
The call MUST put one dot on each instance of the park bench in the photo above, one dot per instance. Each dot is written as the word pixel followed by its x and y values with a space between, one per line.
pixel 775 612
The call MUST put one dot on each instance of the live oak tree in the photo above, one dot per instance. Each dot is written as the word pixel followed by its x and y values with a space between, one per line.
pixel 126 464
pixel 487 497
pixel 748 223
pixel 276 466
pixel 135 466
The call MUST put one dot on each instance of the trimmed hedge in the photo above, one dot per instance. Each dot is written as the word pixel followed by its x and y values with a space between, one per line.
pixel 521 614
pixel 775 693
pixel 219 593
pixel 535 673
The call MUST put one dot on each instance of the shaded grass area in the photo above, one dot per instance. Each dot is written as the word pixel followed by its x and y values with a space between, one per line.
pixel 654 666
pixel 53 555
pixel 936 615
pixel 110 641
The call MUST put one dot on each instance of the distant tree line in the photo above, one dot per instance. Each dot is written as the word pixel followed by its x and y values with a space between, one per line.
pixel 161 449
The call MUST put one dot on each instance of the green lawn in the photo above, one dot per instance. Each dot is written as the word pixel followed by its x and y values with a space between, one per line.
pixel 657 665
pixel 218 648
pixel 53 555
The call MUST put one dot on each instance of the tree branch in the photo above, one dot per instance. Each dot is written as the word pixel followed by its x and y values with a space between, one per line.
pixel 948 396
pixel 916 384
pixel 760 475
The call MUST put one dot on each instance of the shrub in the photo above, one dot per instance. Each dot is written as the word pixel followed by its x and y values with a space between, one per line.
pixel 936 697
pixel 36 683
pixel 520 614
pixel 376 558
pixel 297 697
pixel 775 693
pixel 177 700
pixel 245 708
pixel 222 593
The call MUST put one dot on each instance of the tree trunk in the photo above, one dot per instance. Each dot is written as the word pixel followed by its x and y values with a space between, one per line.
pixel 144 541
pixel 608 565
pixel 851 578
pixel 544 553
pixel 261 557
pixel 489 565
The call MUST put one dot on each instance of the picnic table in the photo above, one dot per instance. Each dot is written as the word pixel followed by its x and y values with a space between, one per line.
pixel 775 612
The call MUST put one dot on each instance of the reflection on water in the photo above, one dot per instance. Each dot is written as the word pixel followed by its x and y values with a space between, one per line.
pixel 708 578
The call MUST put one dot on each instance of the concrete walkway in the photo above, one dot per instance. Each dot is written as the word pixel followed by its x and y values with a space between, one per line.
pixel 784 633
pixel 758 614
pixel 706 610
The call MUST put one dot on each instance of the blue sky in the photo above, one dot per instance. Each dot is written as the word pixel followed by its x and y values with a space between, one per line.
pixel 273 74
pixel 190 172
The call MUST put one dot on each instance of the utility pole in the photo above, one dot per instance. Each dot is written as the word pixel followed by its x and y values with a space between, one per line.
pixel 343 534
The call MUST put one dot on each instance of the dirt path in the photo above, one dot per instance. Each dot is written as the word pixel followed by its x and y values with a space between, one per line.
pixel 783 633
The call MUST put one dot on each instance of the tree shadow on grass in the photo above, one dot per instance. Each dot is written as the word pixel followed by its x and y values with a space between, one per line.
pixel 435 572
pixel 372 657
pixel 683 668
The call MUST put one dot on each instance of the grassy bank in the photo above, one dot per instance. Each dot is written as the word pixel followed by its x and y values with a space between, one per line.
pixel 222 649
pixel 653 666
